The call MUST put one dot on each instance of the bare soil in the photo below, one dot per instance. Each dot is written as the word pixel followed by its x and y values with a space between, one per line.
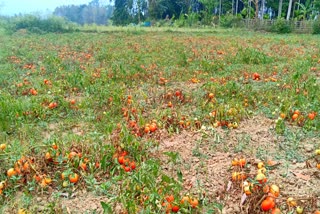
pixel 205 162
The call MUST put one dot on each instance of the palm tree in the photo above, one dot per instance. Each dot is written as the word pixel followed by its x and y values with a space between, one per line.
pixel 304 10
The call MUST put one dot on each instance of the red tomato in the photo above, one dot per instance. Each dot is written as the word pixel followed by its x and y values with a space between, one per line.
pixel 170 198
pixel 267 204
pixel 121 159
pixel 175 208
pixel 127 169
pixel 133 165
pixel 311 116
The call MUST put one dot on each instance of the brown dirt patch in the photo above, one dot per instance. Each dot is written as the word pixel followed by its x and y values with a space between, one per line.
pixel 205 163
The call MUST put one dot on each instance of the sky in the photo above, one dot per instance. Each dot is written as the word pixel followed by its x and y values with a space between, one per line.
pixel 12 7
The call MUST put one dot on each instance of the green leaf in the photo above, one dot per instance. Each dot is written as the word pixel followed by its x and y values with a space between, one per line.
pixel 179 174
pixel 103 163
pixel 218 206
pixel 106 207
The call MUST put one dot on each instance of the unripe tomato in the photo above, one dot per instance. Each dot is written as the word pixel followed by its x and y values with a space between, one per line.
pixel 275 190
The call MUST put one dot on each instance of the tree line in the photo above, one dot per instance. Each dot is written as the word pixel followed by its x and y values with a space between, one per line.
pixel 127 11
pixel 180 12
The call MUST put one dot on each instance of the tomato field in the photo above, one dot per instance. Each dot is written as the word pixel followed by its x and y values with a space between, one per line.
pixel 160 121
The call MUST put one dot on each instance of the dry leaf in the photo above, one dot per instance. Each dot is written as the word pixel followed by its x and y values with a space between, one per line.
pixel 229 186
pixel 243 198
pixel 308 165
pixel 302 176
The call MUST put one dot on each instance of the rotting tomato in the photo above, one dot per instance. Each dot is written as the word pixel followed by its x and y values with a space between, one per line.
pixel 48 156
pixel 54 146
pixel 276 211
pixel 291 202
pixel 48 180
pixel 153 127
pixel 261 178
pixel 26 166
pixel 242 162
pixel 294 116
pixel 72 101
pixel 127 169
pixel 146 129
pixel 170 198
pixel 175 209
pixel 256 76
pixel 267 204
pixel 274 190
pixel 124 153
pixel 235 162
pixel 185 199
pixel 311 115
pixel 299 210
pixel 178 93
pixel 121 159
pixel 74 178
pixel 83 166
pixel 260 165
pixel 72 155
pixel 132 165
pixel 97 164
pixel 63 175
pixel 194 202
pixel 296 112
pixel 52 105
pixel 37 178
pixel 266 188
pixel 11 172
pixel 168 207
pixel 3 146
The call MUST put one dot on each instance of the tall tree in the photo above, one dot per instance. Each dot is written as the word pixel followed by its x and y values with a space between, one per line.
pixel 256 3
pixel 220 8
pixel 316 5
pixel 160 9
pixel 280 9
pixel 262 8
pixel 289 9
pixel 121 14
pixel 237 6
pixel 207 10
